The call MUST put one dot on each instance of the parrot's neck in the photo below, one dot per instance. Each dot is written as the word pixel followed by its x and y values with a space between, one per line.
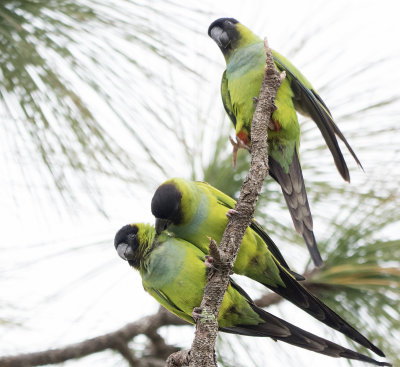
pixel 246 58
pixel 147 239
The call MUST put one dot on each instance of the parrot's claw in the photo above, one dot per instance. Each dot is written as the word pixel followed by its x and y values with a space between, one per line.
pixel 209 262
pixel 231 212
pixel 197 313
pixel 255 100
pixel 238 144
pixel 273 125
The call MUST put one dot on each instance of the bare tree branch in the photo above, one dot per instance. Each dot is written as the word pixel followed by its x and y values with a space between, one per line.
pixel 145 325
pixel 202 353
pixel 122 347
pixel 158 348
pixel 179 359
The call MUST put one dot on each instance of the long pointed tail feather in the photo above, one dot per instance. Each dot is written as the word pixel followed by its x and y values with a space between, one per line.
pixel 308 102
pixel 279 329
pixel 322 116
pixel 301 297
pixel 273 249
pixel 294 192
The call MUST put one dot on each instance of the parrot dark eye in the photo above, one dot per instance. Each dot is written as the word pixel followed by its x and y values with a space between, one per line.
pixel 230 22
pixel 132 241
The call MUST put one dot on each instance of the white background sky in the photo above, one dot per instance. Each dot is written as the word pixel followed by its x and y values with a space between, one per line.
pixel 60 277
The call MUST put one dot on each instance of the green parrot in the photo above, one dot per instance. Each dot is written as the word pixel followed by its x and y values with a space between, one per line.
pixel 196 211
pixel 241 82
pixel 174 273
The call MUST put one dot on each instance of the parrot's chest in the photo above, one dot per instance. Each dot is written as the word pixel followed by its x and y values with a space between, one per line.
pixel 190 230
pixel 164 266
pixel 244 84
pixel 244 73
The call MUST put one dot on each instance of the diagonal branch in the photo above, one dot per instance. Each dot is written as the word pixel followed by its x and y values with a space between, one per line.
pixel 202 353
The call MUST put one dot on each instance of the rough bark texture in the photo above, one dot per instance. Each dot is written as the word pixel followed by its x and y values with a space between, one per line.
pixel 181 358
pixel 202 353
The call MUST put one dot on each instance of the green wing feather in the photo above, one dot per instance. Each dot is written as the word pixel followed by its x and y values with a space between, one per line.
pixel 226 98
pixel 308 102
pixel 230 203
pixel 224 199
pixel 164 301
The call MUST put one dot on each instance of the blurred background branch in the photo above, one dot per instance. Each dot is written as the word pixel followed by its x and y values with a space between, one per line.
pixel 117 340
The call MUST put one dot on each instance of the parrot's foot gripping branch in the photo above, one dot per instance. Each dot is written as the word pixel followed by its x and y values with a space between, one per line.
pixel 231 212
pixel 238 144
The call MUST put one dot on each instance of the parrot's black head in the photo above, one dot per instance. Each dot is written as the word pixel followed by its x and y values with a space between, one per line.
pixel 225 34
pixel 126 243
pixel 166 206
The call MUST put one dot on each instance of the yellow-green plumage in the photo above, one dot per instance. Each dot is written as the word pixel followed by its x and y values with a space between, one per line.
pixel 241 82
pixel 203 214
pixel 243 78
pixel 196 211
pixel 174 273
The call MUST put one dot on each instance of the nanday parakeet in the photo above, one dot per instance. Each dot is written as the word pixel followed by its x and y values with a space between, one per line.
pixel 241 82
pixel 173 272
pixel 196 211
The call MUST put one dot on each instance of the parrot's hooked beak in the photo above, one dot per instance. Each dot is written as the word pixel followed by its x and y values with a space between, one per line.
pixel 220 37
pixel 162 224
pixel 125 251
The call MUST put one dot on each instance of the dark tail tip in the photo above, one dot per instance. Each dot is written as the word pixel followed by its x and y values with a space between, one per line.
pixel 318 262
pixel 309 239
pixel 298 277
pixel 378 352
pixel 384 364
